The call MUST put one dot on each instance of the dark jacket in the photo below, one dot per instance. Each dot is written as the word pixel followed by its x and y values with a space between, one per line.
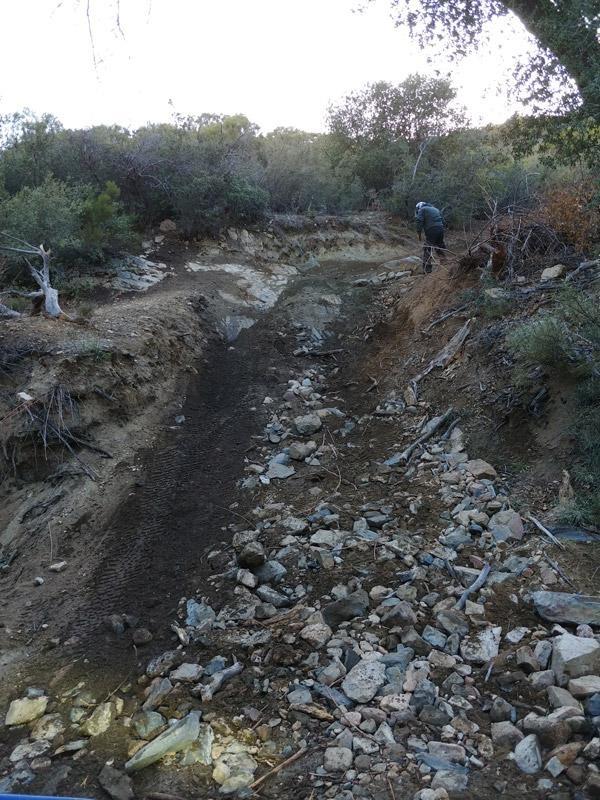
pixel 428 217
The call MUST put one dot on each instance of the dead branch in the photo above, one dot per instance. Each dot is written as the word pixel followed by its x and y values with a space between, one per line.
pixel 447 315
pixel 432 426
pixel 206 691
pixel 475 586
pixel 546 532
pixel 8 313
pixel 279 767
pixel 447 353
pixel 585 265
pixel 556 567
pixel 40 276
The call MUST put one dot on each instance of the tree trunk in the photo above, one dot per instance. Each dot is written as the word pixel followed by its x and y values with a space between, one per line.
pixel 51 306
pixel 42 278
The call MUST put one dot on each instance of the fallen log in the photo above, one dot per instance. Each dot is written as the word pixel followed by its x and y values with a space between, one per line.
pixel 445 316
pixel 432 426
pixel 447 353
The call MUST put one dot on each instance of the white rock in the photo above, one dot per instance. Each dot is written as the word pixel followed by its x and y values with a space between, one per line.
pixel 176 738
pixel 528 756
pixel 575 656
pixel 187 673
pixel 395 702
pixel 326 538
pixel 481 647
pixel 317 634
pixel 309 423
pixel 515 636
pixel 364 680
pixel 29 750
pixel 25 710
pixel 448 751
pixel 100 720
pixel 553 273
pixel 247 578
pixel 337 759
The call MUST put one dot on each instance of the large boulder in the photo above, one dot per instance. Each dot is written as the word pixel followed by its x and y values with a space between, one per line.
pixel 25 710
pixel 553 273
pixel 575 656
pixel 564 607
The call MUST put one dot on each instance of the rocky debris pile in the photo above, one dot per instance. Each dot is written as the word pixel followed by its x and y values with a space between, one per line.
pixel 367 631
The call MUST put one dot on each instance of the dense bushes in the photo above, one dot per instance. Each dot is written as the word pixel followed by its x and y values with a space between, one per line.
pixel 78 225
pixel 84 191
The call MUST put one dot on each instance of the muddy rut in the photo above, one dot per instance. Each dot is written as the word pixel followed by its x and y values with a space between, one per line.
pixel 154 550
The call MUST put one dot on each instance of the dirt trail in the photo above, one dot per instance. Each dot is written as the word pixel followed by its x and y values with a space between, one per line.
pixel 310 568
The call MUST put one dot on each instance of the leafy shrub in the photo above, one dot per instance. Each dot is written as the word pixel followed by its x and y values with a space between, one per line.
pixel 544 341
pixel 48 214
pixel 105 227
pixel 245 201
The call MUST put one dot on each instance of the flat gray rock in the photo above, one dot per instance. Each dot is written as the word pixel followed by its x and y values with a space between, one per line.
pixel 564 607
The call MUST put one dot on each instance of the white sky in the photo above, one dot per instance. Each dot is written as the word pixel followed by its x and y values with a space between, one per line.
pixel 280 62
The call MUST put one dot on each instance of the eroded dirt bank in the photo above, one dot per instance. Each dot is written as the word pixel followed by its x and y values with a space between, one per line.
pixel 277 578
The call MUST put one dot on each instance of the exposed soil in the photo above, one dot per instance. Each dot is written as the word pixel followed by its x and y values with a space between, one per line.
pixel 138 539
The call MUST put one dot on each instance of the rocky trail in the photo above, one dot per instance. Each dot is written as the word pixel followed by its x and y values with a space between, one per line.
pixel 316 587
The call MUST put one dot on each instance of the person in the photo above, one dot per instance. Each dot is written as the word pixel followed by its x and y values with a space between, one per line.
pixel 429 219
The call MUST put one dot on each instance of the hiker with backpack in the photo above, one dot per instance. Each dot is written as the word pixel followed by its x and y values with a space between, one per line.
pixel 429 220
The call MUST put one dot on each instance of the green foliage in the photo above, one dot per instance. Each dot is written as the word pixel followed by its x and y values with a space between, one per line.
pixel 104 225
pixel 566 340
pixel 543 340
pixel 460 173
pixel 48 214
pixel 298 172
pixel 94 349
pixel 566 34
pixel 559 81
pixel 245 201
pixel 414 110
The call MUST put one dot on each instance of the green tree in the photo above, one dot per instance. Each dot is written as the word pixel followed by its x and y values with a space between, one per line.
pixel 49 214
pixel 566 31
pixel 298 171
pixel 414 110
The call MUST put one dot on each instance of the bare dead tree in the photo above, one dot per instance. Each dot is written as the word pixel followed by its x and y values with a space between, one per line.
pixel 46 295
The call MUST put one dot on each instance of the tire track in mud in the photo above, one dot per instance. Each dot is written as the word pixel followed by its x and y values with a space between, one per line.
pixel 158 534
